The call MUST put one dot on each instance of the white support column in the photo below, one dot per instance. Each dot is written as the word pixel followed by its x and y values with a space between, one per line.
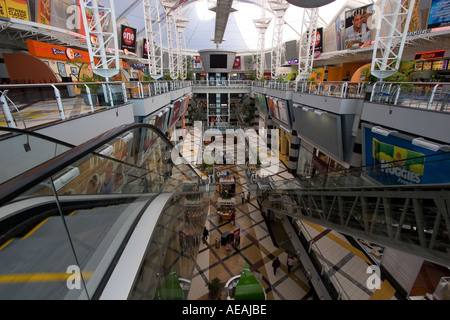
pixel 101 38
pixel 307 43
pixel 279 8
pixel 392 23
pixel 169 8
pixel 154 38
pixel 261 25
pixel 181 24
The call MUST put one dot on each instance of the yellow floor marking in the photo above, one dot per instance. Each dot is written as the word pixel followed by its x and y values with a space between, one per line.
pixel 35 228
pixel 386 292
pixel 39 277
pixel 341 242
pixel 72 213
pixel 5 244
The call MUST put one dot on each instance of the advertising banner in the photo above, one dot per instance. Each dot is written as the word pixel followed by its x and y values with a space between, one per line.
pixel 43 11
pixel 197 63
pixel 283 113
pixel 175 114
pixel 17 9
pixel 145 48
pixel 318 42
pixel 261 102
pixel 3 12
pixel 439 13
pixel 357 32
pixel 237 63
pixel 398 161
pixel 128 36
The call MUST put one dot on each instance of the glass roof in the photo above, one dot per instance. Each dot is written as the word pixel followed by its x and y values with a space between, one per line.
pixel 240 34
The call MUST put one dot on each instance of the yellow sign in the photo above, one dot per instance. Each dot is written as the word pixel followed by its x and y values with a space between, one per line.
pixel 17 9
pixel 3 12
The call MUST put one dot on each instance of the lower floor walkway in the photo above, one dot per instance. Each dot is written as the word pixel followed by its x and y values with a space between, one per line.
pixel 346 260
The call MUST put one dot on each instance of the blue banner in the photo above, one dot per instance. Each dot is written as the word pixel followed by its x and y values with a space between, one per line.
pixel 392 160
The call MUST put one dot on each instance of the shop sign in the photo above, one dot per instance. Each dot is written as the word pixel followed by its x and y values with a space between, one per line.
pixel 438 54
pixel 128 39
pixel 49 51
pixel 3 12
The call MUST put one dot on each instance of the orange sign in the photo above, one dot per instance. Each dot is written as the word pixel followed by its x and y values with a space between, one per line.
pixel 51 51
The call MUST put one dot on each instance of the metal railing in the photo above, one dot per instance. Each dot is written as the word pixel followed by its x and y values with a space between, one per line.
pixel 29 105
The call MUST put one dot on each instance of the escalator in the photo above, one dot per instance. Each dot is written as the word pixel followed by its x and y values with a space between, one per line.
pixel 68 214
pixel 410 218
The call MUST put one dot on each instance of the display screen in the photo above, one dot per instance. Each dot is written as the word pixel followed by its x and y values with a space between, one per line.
pixel 218 61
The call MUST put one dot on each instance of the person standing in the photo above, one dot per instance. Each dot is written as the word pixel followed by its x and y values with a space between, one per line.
pixel 276 264
pixel 290 263
pixel 248 197
pixel 205 234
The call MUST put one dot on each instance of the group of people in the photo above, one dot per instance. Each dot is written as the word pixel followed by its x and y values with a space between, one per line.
pixel 277 263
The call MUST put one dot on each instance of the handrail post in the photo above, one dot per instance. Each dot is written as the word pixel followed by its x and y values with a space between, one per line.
pixel 124 92
pixel 373 90
pixel 59 102
pixel 9 118
pixel 108 87
pixel 88 93
pixel 433 92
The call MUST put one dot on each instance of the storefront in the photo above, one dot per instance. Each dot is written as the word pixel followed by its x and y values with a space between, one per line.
pixel 69 65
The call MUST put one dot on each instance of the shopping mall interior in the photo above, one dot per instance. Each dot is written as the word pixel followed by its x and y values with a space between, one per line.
pixel 225 150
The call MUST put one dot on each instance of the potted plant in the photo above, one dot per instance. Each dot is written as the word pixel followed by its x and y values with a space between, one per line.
pixel 215 287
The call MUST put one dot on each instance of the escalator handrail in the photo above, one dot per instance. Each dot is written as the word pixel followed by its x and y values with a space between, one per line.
pixel 18 185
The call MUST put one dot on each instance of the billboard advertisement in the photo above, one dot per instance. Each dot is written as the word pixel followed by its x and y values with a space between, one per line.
pixel 197 63
pixel 128 36
pixel 439 13
pixel 15 9
pixel 398 161
pixel 237 63
pixel 261 102
pixel 357 31
pixel 279 109
pixel 175 113
pixel 145 48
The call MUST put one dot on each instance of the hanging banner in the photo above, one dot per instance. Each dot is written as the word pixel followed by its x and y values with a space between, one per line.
pixel 17 9
pixel 395 160
pixel 128 38
pixel 43 11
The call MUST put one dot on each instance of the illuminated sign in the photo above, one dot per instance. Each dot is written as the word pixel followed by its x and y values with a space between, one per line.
pixel 438 54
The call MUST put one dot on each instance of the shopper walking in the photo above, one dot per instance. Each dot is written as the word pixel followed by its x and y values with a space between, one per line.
pixel 205 234
pixel 276 264
pixel 290 263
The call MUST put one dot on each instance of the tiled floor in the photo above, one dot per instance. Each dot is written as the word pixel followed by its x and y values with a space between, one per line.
pixel 347 262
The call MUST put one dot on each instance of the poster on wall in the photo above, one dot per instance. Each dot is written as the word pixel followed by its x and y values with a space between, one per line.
pixel 283 113
pixel 399 161
pixel 175 113
pixel 357 31
pixel 318 42
pixel 237 63
pixel 144 48
pixel 17 9
pixel 439 14
pixel 128 36
pixel 43 11
pixel 197 63
pixel 261 102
